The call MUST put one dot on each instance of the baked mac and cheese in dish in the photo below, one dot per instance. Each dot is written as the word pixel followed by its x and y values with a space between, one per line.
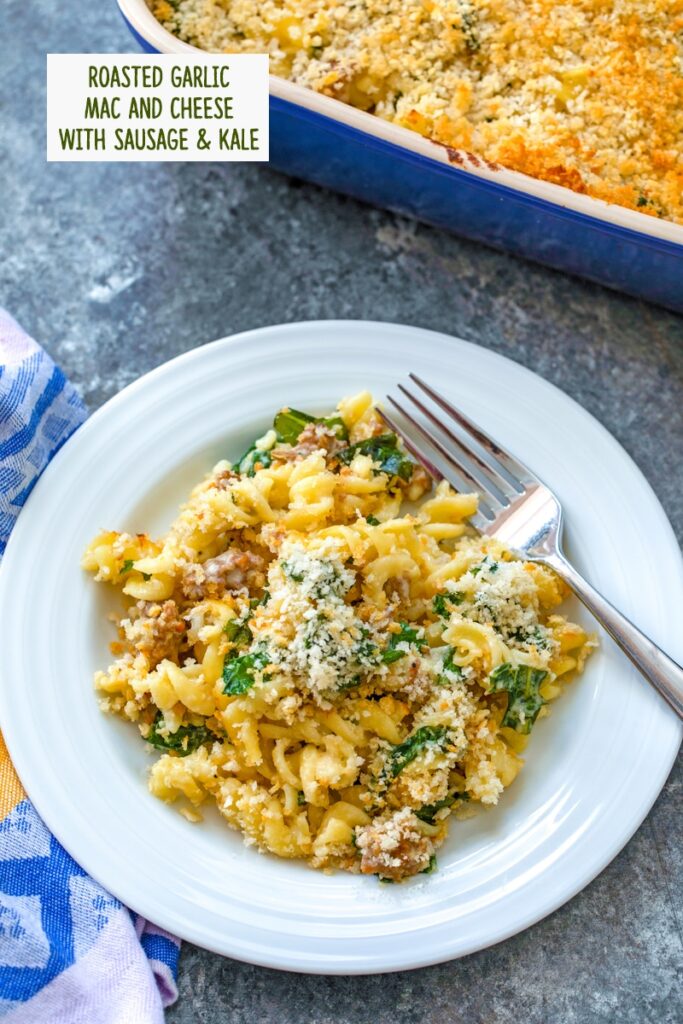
pixel 585 94
pixel 323 647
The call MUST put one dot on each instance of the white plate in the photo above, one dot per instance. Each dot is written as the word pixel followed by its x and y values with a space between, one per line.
pixel 594 767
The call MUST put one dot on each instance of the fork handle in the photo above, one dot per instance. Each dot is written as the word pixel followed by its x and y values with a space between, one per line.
pixel 659 669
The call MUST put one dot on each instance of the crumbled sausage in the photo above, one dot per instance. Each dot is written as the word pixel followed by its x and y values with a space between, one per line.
pixel 314 437
pixel 397 589
pixel 394 847
pixel 233 570
pixel 156 630
pixel 224 478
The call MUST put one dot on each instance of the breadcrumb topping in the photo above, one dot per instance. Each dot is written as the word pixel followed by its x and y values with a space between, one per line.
pixel 584 93
pixel 342 680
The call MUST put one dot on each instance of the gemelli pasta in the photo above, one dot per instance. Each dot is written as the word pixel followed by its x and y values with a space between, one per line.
pixel 322 647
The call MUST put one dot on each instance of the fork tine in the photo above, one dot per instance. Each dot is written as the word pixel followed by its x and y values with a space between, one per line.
pixel 518 473
pixel 487 474
pixel 479 519
pixel 426 463
pixel 489 502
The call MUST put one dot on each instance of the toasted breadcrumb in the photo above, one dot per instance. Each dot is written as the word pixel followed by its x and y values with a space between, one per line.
pixel 585 94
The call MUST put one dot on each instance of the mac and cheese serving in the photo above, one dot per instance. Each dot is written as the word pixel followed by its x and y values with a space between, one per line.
pixel 586 94
pixel 340 675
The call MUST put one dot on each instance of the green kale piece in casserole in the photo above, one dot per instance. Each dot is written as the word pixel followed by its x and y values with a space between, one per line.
pixel 289 423
pixel 423 738
pixel 522 683
pixel 238 673
pixel 183 741
pixel 384 451
pixel 392 652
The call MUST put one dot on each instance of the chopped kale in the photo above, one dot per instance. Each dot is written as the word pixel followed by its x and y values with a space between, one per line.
pixel 449 665
pixel 403 753
pixel 300 798
pixel 440 602
pixel 335 423
pixel 289 423
pixel 521 682
pixel 392 653
pixel 643 200
pixel 238 632
pixel 238 673
pixel 183 741
pixel 431 867
pixel 487 564
pixel 128 565
pixel 366 649
pixel 429 811
pixel 372 520
pixel 291 573
pixel 255 456
pixel 326 581
pixel 254 602
pixel 533 635
pixel 468 27
pixel 384 451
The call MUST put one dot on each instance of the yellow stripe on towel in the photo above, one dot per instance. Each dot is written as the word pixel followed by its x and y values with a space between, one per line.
pixel 11 790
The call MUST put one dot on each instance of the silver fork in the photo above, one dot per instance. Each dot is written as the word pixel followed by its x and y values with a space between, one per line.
pixel 518 509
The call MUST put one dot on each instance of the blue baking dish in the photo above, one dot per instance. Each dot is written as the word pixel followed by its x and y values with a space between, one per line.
pixel 325 141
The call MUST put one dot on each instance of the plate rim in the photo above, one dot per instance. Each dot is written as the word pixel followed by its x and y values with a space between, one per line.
pixel 193 934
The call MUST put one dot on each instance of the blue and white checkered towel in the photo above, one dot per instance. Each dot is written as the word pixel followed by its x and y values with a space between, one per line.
pixel 69 952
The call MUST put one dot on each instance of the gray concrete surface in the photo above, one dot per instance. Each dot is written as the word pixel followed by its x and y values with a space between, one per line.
pixel 116 268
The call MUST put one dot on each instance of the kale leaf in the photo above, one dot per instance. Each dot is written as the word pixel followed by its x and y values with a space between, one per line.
pixel 468 27
pixel 183 741
pixel 238 673
pixel 533 635
pixel 238 632
pixel 403 753
pixel 441 602
pixel 429 811
pixel 247 464
pixel 407 635
pixel 522 684
pixel 289 423
pixel 335 423
pixel 431 867
pixel 450 666
pixel 384 451
pixel 128 565
pixel 486 563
